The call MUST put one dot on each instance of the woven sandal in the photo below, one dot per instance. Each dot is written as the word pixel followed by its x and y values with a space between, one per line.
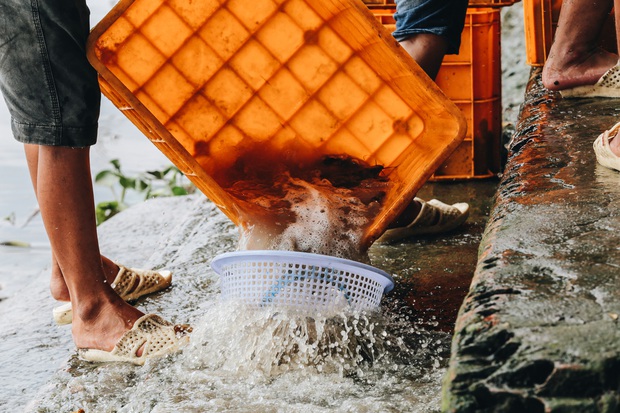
pixel 434 217
pixel 608 86
pixel 156 337
pixel 130 284
pixel 603 152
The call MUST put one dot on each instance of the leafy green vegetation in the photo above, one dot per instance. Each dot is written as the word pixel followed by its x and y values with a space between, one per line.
pixel 150 184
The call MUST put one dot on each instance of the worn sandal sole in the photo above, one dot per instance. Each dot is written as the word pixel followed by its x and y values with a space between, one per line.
pixel 148 282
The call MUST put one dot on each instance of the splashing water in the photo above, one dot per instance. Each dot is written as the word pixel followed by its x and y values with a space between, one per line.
pixel 259 360
pixel 323 208
pixel 327 220
pixel 277 342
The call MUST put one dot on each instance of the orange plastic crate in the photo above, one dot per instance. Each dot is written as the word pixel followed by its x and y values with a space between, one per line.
pixel 205 81
pixel 541 21
pixel 472 80
pixel 540 18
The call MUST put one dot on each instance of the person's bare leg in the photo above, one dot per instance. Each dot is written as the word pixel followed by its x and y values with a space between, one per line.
pixel 58 287
pixel 65 195
pixel 427 50
pixel 575 58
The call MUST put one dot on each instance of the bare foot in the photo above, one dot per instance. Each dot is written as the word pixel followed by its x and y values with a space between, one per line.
pixel 58 287
pixel 567 70
pixel 100 325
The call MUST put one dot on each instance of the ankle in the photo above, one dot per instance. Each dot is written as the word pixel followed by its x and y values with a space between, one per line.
pixel 58 287
pixel 92 309
pixel 100 325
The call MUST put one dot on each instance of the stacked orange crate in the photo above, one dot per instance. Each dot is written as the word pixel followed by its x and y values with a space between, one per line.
pixel 472 80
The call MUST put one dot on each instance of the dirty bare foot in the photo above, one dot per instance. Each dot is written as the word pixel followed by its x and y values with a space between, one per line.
pixel 567 69
pixel 58 287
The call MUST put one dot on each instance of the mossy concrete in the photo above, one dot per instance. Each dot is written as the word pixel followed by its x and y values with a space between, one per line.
pixel 538 330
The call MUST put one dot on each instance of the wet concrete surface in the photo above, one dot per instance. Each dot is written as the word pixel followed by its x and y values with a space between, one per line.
pixel 538 330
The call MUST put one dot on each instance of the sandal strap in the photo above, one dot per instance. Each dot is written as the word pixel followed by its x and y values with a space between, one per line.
pixel 611 78
pixel 427 216
pixel 131 284
pixel 442 214
pixel 434 217
pixel 150 332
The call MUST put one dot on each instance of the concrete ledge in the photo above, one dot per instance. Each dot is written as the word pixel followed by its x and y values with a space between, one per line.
pixel 538 330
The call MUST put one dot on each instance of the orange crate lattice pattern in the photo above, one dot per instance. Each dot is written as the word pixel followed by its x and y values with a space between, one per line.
pixel 207 82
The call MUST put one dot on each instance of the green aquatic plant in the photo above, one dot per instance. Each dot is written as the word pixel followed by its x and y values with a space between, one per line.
pixel 150 184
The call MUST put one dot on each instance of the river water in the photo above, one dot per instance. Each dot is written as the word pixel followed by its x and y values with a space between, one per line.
pixel 238 361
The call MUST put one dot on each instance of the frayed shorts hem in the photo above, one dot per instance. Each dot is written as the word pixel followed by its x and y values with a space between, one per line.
pixel 453 43
pixel 50 135
pixel 444 18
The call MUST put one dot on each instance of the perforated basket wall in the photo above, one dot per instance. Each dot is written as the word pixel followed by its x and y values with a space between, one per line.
pixel 206 80
pixel 300 281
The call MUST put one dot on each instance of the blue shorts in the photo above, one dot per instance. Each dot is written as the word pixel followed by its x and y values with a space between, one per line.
pixel 50 88
pixel 441 17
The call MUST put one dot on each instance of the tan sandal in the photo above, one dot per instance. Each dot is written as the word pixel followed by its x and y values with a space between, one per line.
pixel 434 217
pixel 151 333
pixel 603 152
pixel 130 284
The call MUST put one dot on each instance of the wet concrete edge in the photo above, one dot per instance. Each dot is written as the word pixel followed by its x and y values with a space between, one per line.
pixel 538 330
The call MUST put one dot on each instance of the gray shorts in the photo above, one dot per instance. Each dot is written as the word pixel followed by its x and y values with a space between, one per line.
pixel 441 17
pixel 50 88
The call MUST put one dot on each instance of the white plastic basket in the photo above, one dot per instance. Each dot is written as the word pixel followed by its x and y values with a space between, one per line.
pixel 299 280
